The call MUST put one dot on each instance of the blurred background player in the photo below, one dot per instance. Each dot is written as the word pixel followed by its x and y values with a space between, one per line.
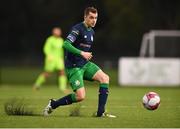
pixel 54 60
pixel 79 67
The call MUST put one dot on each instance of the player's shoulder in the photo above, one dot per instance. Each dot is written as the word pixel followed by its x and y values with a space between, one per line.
pixel 61 39
pixel 78 25
pixel 53 39
pixel 50 37
pixel 76 29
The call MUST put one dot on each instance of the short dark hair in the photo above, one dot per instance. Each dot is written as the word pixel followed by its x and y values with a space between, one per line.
pixel 90 9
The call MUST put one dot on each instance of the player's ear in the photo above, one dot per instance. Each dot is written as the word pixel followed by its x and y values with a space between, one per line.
pixel 85 16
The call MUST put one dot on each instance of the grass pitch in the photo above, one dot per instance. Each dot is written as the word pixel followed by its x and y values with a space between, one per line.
pixel 125 103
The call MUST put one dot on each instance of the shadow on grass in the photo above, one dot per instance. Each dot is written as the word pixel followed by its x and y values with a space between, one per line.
pixel 18 107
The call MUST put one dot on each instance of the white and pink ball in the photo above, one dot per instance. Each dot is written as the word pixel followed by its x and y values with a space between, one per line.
pixel 151 100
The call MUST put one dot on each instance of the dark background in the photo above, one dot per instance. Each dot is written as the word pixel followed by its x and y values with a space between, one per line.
pixel 25 24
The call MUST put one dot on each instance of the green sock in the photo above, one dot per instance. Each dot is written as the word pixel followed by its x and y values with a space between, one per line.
pixel 62 82
pixel 40 80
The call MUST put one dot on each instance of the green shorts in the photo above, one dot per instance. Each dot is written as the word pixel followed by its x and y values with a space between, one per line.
pixel 54 65
pixel 77 75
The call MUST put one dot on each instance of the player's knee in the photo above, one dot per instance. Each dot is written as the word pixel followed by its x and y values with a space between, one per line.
pixel 61 73
pixel 46 74
pixel 104 78
pixel 80 97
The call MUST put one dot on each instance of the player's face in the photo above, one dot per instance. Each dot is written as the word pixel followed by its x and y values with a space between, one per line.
pixel 56 32
pixel 91 19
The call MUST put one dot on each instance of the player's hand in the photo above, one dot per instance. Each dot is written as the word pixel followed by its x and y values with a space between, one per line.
pixel 86 55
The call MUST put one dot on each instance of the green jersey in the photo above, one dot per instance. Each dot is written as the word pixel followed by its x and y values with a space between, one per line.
pixel 53 50
pixel 54 47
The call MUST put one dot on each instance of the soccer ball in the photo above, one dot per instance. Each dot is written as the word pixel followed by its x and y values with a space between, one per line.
pixel 151 100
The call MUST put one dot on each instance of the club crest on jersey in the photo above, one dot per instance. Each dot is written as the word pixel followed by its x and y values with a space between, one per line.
pixel 85 36
pixel 77 82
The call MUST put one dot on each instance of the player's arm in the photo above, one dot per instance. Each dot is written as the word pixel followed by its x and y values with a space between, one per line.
pixel 69 47
pixel 47 49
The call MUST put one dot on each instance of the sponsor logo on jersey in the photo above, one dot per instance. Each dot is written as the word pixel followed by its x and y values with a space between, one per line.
pixel 85 45
pixel 71 37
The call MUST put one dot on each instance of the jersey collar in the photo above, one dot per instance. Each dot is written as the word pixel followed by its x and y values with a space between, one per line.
pixel 85 25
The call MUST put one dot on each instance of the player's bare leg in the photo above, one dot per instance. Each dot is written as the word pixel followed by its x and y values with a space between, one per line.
pixel 62 82
pixel 80 94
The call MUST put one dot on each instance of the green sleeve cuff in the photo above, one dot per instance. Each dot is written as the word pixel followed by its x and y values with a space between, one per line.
pixel 67 45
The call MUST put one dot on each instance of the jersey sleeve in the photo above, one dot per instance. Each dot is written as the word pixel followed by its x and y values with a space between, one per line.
pixel 69 47
pixel 47 47
pixel 73 35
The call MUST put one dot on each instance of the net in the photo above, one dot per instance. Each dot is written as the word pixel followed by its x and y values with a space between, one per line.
pixel 161 44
